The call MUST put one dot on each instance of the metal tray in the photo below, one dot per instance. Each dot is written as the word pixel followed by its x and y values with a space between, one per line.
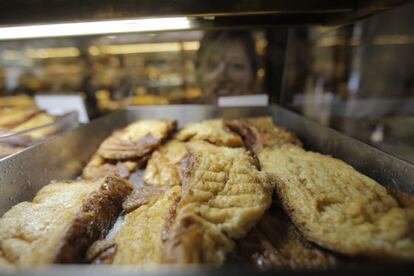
pixel 63 158
pixel 62 124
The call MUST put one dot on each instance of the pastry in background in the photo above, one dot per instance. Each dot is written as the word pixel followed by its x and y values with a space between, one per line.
pixel 41 119
pixel 12 117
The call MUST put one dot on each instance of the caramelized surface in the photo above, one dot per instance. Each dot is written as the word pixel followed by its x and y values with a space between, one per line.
pixel 162 167
pixel 61 222
pixel 136 140
pixel 137 241
pixel 275 243
pixel 223 196
pixel 336 206
pixel 99 167
pixel 213 131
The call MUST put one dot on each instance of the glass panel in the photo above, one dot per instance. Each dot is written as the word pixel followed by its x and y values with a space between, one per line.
pixel 134 69
pixel 358 79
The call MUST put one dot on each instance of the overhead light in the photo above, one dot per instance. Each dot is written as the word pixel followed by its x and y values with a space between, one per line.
pixel 125 49
pixel 94 28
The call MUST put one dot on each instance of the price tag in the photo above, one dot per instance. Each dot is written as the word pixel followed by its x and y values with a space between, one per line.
pixel 60 104
pixel 244 100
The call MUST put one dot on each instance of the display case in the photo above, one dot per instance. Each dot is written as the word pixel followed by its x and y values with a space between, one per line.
pixel 337 73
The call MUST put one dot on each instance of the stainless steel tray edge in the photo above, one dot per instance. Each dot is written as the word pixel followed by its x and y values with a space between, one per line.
pixel 387 169
pixel 62 157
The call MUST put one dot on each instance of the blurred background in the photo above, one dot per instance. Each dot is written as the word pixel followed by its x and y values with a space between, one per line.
pixel 357 78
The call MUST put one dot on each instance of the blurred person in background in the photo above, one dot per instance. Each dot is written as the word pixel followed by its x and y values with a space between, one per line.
pixel 226 65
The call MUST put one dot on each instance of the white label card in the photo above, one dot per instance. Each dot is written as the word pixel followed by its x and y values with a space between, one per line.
pixel 60 104
pixel 244 100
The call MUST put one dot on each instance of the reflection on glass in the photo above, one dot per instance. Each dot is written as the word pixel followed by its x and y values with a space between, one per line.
pixel 227 64
pixel 357 78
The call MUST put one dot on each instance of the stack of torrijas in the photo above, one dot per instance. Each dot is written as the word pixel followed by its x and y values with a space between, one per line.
pixel 329 202
pixel 207 193
pixel 203 191
pixel 129 148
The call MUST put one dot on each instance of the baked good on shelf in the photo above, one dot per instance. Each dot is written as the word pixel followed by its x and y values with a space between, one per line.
pixel 137 139
pixel 11 117
pixel 38 120
pixel 61 222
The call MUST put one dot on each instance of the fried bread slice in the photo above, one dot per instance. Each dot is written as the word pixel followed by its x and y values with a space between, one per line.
pixel 38 120
pixel 259 133
pixel 137 139
pixel 275 243
pixel 138 239
pixel 61 222
pixel 162 167
pixel 11 117
pixel 223 196
pixel 337 207
pixel 213 131
pixel 326 198
pixel 99 167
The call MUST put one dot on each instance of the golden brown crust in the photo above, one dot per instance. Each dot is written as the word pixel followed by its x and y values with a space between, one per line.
pixel 213 131
pixel 162 167
pixel 99 167
pixel 223 196
pixel 141 195
pixel 61 222
pixel 38 120
pixel 260 132
pixel 336 207
pixel 12 117
pixel 137 241
pixel 101 252
pixel 275 243
pixel 405 200
pixel 137 139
